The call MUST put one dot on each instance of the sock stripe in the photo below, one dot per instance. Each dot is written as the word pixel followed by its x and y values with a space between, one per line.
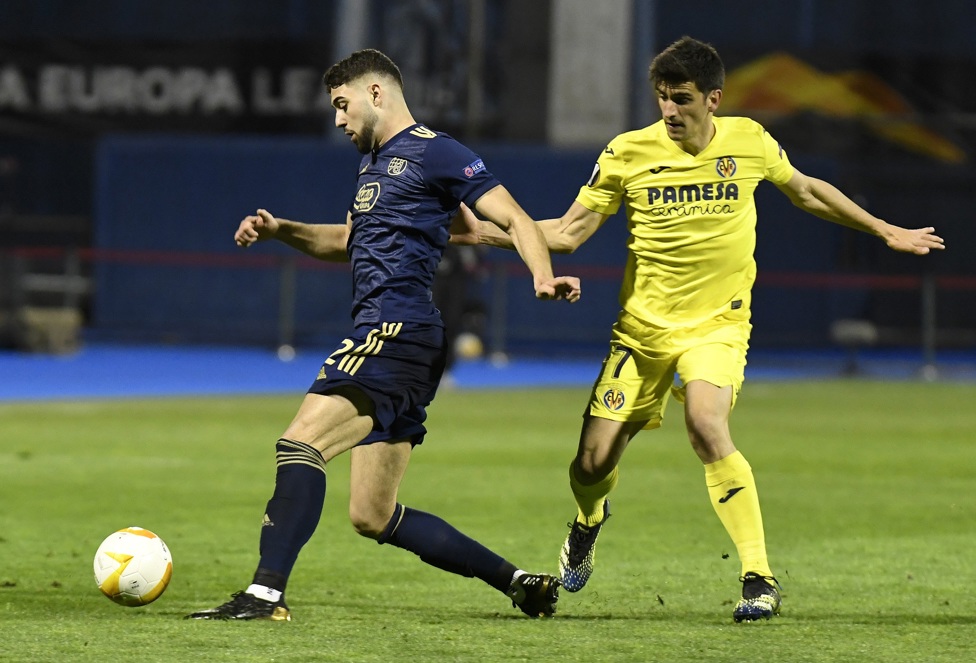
pixel 290 452
pixel 398 512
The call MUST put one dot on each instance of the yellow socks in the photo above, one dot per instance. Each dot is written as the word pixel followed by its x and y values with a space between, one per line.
pixel 590 498
pixel 732 491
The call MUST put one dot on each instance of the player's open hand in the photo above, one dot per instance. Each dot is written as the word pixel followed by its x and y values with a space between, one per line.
pixel 918 241
pixel 256 228
pixel 560 287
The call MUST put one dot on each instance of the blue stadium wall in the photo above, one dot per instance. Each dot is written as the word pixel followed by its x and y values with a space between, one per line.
pixel 166 209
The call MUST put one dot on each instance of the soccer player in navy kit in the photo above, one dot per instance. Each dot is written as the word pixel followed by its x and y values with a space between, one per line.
pixel 370 395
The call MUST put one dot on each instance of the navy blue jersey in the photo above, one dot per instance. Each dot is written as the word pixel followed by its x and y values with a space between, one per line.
pixel 409 189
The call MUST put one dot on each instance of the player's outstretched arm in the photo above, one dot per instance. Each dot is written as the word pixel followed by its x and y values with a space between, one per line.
pixel 826 201
pixel 562 235
pixel 527 238
pixel 322 241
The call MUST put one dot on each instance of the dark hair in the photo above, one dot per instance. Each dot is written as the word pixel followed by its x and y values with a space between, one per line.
pixel 688 61
pixel 360 63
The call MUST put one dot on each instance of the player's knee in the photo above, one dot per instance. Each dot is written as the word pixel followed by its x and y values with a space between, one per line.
pixel 366 528
pixel 704 426
pixel 592 468
pixel 710 439
pixel 367 522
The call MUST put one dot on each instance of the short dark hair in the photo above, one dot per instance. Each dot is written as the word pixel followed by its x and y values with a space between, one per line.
pixel 688 61
pixel 360 63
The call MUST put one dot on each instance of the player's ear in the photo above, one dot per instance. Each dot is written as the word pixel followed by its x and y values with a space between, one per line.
pixel 714 99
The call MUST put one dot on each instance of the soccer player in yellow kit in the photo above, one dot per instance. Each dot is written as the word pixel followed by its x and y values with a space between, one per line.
pixel 686 184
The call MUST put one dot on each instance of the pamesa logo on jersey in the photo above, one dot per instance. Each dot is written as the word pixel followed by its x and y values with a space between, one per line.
pixel 397 166
pixel 690 193
pixel 366 196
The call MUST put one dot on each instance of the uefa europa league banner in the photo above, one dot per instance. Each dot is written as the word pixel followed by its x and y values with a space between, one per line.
pixel 59 86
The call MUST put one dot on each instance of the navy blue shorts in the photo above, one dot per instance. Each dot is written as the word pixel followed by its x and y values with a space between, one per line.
pixel 398 366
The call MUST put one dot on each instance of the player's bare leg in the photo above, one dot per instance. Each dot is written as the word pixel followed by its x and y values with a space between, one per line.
pixel 375 473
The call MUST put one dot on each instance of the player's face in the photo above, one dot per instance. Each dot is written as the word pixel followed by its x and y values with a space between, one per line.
pixel 687 114
pixel 355 115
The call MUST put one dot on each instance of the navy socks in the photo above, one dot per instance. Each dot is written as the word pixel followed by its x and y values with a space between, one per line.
pixel 294 510
pixel 439 544
pixel 292 513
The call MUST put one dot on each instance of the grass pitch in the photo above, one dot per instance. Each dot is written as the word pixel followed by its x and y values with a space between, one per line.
pixel 867 491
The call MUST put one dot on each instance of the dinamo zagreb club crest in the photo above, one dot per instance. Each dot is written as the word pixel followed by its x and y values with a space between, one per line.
pixel 397 166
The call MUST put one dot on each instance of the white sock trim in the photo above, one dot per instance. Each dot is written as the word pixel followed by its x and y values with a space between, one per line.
pixel 263 593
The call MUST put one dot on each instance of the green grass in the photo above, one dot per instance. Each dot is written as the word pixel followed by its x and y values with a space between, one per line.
pixel 867 492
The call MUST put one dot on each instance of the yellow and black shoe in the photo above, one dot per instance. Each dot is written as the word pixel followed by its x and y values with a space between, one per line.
pixel 246 606
pixel 760 598
pixel 578 555
pixel 535 594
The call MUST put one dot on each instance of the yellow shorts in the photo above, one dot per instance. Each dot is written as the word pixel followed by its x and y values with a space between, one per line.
pixel 646 364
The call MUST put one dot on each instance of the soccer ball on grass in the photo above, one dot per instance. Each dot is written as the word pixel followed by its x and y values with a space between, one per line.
pixel 133 567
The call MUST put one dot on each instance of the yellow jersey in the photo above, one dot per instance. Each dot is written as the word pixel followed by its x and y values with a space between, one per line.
pixel 692 218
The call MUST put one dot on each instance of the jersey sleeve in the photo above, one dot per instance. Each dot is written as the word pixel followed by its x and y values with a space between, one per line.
pixel 454 170
pixel 604 191
pixel 779 170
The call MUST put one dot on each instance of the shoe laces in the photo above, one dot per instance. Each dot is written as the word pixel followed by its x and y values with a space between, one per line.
pixel 755 585
pixel 582 538
pixel 240 598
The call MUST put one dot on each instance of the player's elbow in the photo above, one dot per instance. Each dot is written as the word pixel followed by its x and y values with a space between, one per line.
pixel 810 197
pixel 804 199
pixel 560 239
pixel 562 244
